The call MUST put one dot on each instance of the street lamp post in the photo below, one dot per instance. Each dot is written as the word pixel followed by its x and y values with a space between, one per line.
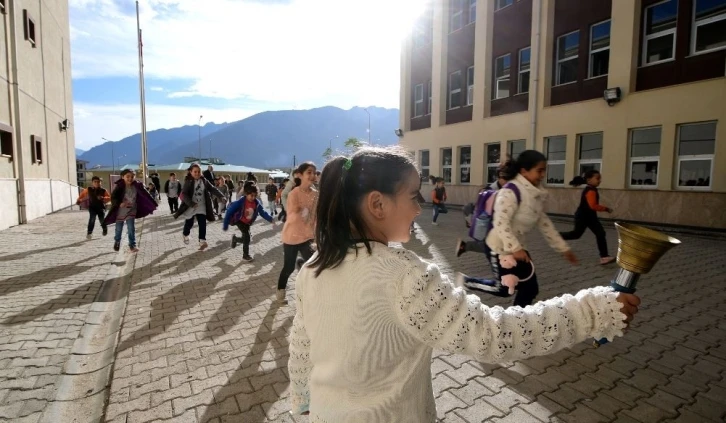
pixel 210 150
pixel 369 125
pixel 330 143
pixel 118 159
pixel 200 138
pixel 112 156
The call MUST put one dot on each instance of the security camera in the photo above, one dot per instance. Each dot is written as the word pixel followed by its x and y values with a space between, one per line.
pixel 399 133
pixel 63 126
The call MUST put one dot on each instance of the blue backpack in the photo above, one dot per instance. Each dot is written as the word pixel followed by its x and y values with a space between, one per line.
pixel 482 220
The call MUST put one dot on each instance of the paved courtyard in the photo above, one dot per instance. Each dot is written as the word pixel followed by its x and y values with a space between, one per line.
pixel 202 341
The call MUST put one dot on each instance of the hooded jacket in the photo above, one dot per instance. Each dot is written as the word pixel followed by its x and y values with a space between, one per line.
pixel 145 204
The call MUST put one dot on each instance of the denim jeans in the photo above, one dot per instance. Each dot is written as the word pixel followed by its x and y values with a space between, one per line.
pixel 439 209
pixel 130 229
pixel 272 206
pixel 94 214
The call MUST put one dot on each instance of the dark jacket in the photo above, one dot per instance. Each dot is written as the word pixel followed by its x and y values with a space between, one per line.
pixel 145 204
pixel 188 198
pixel 178 190
pixel 155 180
pixel 235 210
pixel 209 176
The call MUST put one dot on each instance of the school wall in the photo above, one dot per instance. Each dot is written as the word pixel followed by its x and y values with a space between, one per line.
pixel 9 211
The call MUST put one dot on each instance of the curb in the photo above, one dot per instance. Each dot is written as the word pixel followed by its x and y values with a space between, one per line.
pixel 83 386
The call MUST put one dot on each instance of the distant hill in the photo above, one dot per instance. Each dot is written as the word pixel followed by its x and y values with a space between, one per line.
pixel 79 152
pixel 265 140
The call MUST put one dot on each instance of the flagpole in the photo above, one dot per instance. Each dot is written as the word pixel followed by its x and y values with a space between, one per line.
pixel 142 97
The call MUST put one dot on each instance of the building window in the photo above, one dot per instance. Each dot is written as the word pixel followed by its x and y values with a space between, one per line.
pixel 29 28
pixel 431 97
pixel 644 157
pixel 659 41
pixel 455 90
pixel 424 163
pixel 470 86
pixel 524 61
pixel 464 165
pixel 446 158
pixel 457 15
pixel 6 141
pixel 709 26
pixel 36 145
pixel 418 100
pixel 472 11
pixel 502 67
pixel 556 155
pixel 567 55
pixel 599 49
pixel 590 148
pixel 493 160
pixel 696 143
pixel 515 148
pixel 501 4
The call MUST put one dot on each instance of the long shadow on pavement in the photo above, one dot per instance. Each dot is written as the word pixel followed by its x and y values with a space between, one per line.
pixel 25 254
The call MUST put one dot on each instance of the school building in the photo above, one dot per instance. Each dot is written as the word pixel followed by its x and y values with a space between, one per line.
pixel 37 147
pixel 633 88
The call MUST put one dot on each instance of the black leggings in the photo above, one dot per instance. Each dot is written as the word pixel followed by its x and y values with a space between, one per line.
pixel 306 251
pixel 583 222
pixel 526 291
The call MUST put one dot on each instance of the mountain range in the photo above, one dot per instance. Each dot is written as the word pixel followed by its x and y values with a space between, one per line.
pixel 265 140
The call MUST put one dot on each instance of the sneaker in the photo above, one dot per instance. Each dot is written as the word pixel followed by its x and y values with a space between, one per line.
pixel 606 260
pixel 234 242
pixel 186 239
pixel 434 223
pixel 105 231
pixel 116 246
pixel 133 249
pixel 247 258
pixel 281 297
pixel 89 236
pixel 460 247
pixel 203 245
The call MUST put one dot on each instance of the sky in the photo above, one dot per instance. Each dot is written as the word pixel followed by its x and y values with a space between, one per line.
pixel 229 59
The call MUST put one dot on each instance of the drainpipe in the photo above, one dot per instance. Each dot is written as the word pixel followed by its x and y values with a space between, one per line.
pixel 14 103
pixel 534 74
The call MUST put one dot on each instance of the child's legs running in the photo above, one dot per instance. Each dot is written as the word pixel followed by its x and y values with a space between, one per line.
pixel 202 222
pixel 102 218
pixel 119 231
pixel 188 224
pixel 306 250
pixel 246 238
pixel 526 292
pixel 576 233
pixel 436 212
pixel 290 254
pixel 131 229
pixel 171 203
pixel 91 221
pixel 602 242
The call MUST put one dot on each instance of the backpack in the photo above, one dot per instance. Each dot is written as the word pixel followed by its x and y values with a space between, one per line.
pixel 482 220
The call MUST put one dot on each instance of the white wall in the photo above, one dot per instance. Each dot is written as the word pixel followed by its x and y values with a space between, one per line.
pixel 64 194
pixel 9 203
pixel 38 200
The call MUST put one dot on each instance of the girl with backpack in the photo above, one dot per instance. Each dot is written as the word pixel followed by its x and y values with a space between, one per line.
pixel 517 209
pixel 586 214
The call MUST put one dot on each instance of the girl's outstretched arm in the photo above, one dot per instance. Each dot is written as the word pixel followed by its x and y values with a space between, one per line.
pixel 432 310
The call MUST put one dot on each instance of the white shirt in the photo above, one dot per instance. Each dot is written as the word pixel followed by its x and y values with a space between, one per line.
pixel 364 332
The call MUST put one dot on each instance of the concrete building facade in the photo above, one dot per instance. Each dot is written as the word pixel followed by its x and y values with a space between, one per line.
pixel 37 154
pixel 635 89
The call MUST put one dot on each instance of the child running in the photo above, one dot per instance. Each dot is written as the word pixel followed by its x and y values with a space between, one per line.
pixel 172 189
pixel 94 198
pixel 369 315
pixel 297 234
pixel 586 214
pixel 438 197
pixel 243 213
pixel 197 204
pixel 129 201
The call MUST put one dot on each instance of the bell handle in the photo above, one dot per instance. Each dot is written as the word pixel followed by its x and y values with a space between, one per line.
pixel 618 288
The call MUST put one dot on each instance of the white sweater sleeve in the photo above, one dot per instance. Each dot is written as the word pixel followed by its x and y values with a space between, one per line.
pixel 432 310
pixel 299 365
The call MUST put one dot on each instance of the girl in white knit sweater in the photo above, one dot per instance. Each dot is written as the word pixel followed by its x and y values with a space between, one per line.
pixel 369 315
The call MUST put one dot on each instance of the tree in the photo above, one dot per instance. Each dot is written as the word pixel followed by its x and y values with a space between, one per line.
pixel 328 153
pixel 353 143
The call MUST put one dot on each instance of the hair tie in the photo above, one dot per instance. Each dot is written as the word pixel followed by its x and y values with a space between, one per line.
pixel 348 164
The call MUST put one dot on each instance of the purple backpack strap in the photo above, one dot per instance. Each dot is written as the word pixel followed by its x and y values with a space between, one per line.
pixel 514 188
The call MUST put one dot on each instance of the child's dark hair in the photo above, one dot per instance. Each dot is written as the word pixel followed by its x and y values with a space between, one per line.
pixel 193 166
pixel 343 185
pixel 304 166
pixel 95 178
pixel 251 188
pixel 526 160
pixel 582 180
pixel 172 174
pixel 125 172
pixel 248 184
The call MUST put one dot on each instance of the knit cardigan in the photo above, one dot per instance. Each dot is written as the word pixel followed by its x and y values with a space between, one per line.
pixel 363 335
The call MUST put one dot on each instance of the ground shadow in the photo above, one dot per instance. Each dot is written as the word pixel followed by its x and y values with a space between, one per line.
pixel 25 254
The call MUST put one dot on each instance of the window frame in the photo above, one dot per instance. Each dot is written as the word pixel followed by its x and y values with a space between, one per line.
pixel 498 4
pixel 456 13
pixel 510 148
pixel 6 141
pixel 423 168
pixel 491 166
pixel 591 51
pixel 642 159
pixel 456 91
pixel 31 35
pixel 562 163
pixel 36 149
pixel 520 71
pixel 463 165
pixel 417 101
pixel 646 37
pixel 472 8
pixel 694 30
pixel 498 78
pixel 558 61
pixel 694 157
pixel 445 166
pixel 581 161
pixel 470 73
pixel 431 97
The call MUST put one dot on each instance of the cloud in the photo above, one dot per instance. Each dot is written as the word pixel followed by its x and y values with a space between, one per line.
pixel 305 52
pixel 156 88
pixel 114 122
